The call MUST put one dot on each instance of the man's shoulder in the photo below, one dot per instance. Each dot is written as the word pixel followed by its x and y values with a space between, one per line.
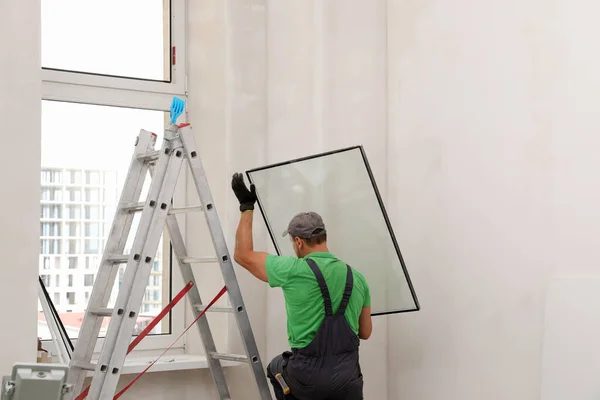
pixel 359 277
pixel 358 274
pixel 276 261
pixel 278 258
pixel 280 269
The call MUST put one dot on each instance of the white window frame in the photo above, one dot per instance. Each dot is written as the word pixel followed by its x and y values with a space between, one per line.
pixel 94 89
pixel 177 86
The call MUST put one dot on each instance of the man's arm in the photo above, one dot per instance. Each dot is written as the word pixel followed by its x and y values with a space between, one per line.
pixel 365 325
pixel 244 254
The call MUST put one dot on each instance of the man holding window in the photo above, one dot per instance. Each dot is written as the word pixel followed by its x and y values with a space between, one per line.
pixel 328 306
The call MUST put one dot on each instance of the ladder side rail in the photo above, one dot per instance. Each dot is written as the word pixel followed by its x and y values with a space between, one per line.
pixel 155 228
pixel 187 273
pixel 194 296
pixel 225 262
pixel 107 270
pixel 134 260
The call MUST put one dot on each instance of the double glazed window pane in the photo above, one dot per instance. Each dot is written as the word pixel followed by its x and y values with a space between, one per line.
pixel 129 38
pixel 340 188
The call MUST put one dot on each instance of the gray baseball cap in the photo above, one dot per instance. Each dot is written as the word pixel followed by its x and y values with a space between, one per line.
pixel 306 225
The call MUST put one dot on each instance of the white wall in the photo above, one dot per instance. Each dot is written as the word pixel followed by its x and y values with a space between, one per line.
pixel 479 119
pixel 20 109
pixel 491 122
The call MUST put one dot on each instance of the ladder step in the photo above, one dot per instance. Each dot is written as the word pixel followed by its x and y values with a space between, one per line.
pixel 201 307
pixel 181 210
pixel 135 207
pixel 198 260
pixel 117 258
pixel 229 357
pixel 84 365
pixel 101 312
pixel 151 156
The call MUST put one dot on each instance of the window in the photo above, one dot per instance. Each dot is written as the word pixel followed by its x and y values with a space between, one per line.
pixel 92 229
pixel 100 87
pixel 73 212
pixel 57 280
pixel 50 246
pixel 73 194
pixel 88 280
pixel 85 238
pixel 92 246
pixel 57 299
pixel 144 49
pixel 51 176
pixel 92 195
pixel 46 280
pixel 72 229
pixel 136 45
pixel 50 229
pixel 50 194
pixel 92 212
pixel 92 177
pixel 51 211
pixel 73 177
pixel 73 246
pixel 91 262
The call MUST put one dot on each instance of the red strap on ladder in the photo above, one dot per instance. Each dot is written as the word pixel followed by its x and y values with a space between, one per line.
pixel 213 301
pixel 150 326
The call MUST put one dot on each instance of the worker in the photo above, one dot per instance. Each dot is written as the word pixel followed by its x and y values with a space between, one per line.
pixel 328 307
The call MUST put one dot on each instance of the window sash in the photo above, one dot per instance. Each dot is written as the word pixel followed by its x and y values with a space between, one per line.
pixel 177 86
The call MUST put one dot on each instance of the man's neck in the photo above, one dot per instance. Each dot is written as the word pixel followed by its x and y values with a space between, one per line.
pixel 320 248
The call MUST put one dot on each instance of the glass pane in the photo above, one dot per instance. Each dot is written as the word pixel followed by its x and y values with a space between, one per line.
pixel 87 160
pixel 129 38
pixel 339 187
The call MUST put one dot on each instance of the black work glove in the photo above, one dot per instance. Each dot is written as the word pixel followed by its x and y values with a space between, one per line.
pixel 246 197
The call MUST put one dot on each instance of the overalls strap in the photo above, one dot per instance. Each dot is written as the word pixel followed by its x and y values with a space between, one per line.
pixel 324 290
pixel 347 291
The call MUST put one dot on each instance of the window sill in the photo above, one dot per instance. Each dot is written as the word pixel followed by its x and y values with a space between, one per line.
pixel 178 362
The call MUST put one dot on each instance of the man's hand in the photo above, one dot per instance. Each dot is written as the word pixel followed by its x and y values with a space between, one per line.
pixel 246 197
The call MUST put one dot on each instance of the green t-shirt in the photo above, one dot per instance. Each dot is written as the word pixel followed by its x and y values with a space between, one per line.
pixel 303 300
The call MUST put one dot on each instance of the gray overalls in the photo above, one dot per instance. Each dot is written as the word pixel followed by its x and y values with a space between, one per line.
pixel 328 368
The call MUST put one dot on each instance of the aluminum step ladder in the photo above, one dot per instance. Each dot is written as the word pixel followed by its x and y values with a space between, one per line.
pixel 164 167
